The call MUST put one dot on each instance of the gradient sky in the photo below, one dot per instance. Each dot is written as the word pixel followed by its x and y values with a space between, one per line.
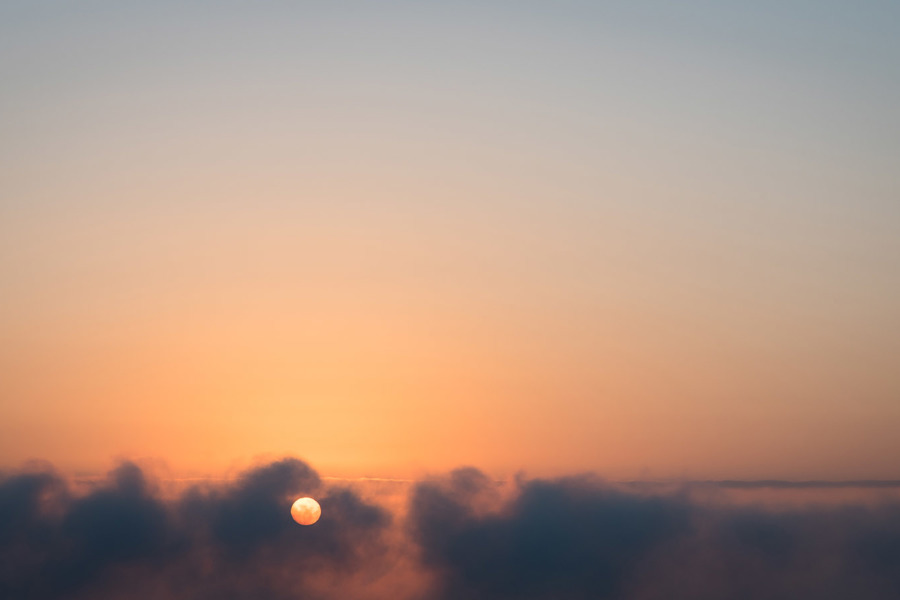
pixel 651 239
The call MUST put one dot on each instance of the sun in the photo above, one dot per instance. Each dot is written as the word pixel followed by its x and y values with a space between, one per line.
pixel 306 511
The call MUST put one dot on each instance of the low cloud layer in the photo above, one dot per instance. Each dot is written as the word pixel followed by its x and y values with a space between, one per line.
pixel 460 536
pixel 237 540
pixel 579 538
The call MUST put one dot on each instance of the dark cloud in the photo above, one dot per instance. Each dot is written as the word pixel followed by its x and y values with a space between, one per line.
pixel 251 512
pixel 571 538
pixel 463 536
pixel 580 538
pixel 235 540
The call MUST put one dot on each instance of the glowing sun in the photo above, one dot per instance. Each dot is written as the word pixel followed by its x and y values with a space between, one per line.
pixel 306 511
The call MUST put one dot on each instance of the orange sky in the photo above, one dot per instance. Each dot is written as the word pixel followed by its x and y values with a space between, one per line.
pixel 395 248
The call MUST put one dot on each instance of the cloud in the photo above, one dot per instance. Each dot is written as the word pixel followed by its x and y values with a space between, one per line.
pixel 808 484
pixel 580 538
pixel 570 538
pixel 123 539
pixel 463 536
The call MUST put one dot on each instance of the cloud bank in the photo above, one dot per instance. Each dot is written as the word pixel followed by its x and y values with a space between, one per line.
pixel 236 540
pixel 459 536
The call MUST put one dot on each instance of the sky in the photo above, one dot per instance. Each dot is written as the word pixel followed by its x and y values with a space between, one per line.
pixel 650 240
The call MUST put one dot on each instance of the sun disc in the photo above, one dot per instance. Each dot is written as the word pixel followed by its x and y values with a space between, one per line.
pixel 306 511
